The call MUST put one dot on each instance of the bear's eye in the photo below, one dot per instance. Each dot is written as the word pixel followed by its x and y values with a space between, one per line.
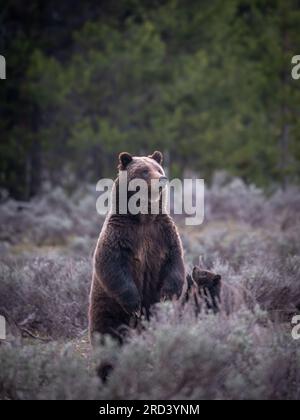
pixel 145 172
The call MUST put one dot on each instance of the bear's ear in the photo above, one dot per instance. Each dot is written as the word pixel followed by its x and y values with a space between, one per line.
pixel 157 156
pixel 124 159
pixel 195 272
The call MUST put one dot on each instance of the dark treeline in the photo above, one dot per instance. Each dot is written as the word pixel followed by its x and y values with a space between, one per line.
pixel 209 82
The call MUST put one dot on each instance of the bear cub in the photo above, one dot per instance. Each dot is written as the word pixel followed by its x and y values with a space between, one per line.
pixel 204 285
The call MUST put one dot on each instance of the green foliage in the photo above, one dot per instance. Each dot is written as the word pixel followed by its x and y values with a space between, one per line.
pixel 208 82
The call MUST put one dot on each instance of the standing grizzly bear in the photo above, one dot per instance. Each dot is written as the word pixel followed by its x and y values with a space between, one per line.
pixel 138 258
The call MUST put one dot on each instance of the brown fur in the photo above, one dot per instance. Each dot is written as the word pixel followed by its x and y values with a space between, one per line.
pixel 137 262
pixel 204 285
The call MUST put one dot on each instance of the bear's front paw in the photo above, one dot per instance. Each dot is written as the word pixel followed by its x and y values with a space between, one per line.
pixel 131 302
pixel 171 288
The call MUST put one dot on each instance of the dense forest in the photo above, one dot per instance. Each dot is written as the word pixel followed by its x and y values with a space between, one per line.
pixel 208 82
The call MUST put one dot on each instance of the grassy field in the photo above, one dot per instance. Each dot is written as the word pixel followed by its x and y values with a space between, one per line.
pixel 246 351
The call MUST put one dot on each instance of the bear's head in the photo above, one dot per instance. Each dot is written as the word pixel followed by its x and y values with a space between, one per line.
pixel 143 167
pixel 209 286
pixel 146 168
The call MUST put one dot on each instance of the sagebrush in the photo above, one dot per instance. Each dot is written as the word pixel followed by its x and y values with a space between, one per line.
pixel 246 351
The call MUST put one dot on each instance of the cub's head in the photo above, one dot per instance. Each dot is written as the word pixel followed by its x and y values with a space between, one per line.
pixel 209 286
pixel 146 168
